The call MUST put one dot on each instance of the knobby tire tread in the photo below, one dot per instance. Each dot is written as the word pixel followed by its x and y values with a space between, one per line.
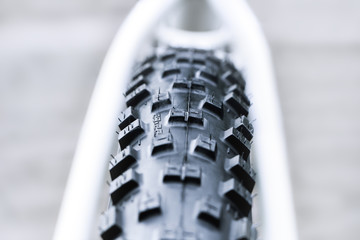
pixel 183 168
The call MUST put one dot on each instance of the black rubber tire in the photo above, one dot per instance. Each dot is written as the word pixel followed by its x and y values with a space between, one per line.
pixel 183 168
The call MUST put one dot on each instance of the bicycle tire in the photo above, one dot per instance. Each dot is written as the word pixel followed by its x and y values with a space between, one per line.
pixel 182 171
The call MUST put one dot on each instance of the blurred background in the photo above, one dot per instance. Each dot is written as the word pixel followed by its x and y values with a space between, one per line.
pixel 50 55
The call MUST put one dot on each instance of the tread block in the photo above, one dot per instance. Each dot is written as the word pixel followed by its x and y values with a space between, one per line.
pixel 168 56
pixel 162 143
pixel 123 185
pixel 130 133
pixel 237 140
pixel 207 76
pixel 143 70
pixel 135 84
pixel 149 59
pixel 177 115
pixel 240 92
pixel 200 51
pixel 195 85
pixel 195 117
pixel 109 224
pixel 213 106
pixel 187 59
pixel 138 95
pixel 198 85
pixel 206 146
pixel 176 172
pixel 172 173
pixel 210 210
pixel 243 125
pixel 177 234
pixel 234 88
pixel 237 195
pixel 122 162
pixel 183 60
pixel 171 71
pixel 199 61
pixel 160 100
pixel 182 84
pixel 234 77
pixel 242 229
pixel 126 117
pixel 181 116
pixel 149 204
pixel 242 170
pixel 239 106
pixel 192 174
